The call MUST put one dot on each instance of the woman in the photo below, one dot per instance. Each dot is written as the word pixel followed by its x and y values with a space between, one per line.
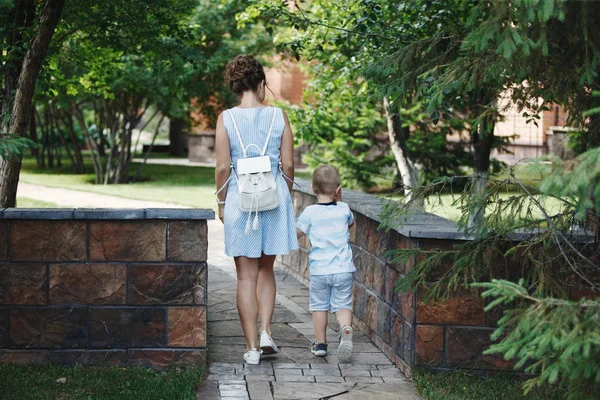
pixel 254 250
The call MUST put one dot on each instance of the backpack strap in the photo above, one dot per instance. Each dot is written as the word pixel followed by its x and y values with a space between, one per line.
pixel 239 136
pixel 264 150
pixel 237 132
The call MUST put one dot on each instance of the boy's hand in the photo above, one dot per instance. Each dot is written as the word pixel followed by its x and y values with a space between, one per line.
pixel 338 194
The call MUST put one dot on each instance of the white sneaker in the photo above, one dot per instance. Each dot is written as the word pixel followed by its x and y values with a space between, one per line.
pixel 252 357
pixel 267 345
pixel 345 347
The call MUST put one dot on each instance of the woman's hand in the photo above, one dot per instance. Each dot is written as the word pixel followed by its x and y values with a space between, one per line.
pixel 222 212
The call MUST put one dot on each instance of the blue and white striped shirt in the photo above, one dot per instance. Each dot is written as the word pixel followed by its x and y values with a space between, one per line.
pixel 326 226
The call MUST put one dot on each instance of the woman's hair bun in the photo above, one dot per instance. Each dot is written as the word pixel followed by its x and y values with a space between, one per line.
pixel 244 73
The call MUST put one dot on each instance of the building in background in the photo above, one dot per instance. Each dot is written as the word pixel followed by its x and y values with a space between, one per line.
pixel 526 139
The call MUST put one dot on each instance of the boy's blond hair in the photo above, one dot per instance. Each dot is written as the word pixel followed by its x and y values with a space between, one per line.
pixel 325 180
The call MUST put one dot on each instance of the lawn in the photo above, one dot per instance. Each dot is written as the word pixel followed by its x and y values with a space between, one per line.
pixel 186 186
pixel 25 202
pixel 40 382
pixel 463 386
pixel 195 187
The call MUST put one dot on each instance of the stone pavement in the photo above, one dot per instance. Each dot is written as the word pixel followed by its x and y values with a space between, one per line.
pixel 294 373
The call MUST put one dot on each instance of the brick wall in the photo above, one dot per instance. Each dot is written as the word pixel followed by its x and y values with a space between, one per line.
pixel 443 335
pixel 103 287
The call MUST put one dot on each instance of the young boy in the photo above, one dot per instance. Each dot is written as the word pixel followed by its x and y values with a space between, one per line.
pixel 331 267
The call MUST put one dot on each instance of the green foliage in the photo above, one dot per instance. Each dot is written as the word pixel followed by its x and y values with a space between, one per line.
pixel 555 339
pixel 14 146
pixel 340 128
pixel 342 120
pixel 548 247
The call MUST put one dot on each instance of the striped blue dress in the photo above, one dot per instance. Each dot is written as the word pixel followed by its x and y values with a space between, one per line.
pixel 276 233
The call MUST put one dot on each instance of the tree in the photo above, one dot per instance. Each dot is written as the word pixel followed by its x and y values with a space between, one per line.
pixel 549 330
pixel 26 71
pixel 347 38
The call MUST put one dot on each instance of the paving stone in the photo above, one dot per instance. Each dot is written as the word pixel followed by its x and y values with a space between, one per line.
pixel 363 379
pixel 260 378
pixel 290 366
pixel 232 382
pixel 221 367
pixel 370 358
pixel 330 379
pixel 360 366
pixel 294 378
pixel 387 373
pixel 208 391
pixel 234 397
pixel 260 391
pixel 258 369
pixel 289 372
pixel 234 393
pixel 358 371
pixel 303 391
pixel 324 366
pixel 381 392
pixel 222 377
pixel 397 381
pixel 384 367
pixel 322 372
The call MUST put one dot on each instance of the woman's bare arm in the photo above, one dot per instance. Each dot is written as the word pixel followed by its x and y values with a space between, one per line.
pixel 222 169
pixel 287 151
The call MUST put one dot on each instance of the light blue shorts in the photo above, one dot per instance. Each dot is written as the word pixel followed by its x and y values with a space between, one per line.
pixel 331 292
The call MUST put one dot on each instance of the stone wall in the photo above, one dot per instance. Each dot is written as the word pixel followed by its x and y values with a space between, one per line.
pixel 444 335
pixel 103 287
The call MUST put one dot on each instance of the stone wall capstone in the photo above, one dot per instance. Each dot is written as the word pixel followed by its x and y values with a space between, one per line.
pixel 103 286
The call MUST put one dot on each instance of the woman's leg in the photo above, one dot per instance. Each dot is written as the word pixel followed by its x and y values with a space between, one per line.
pixel 265 292
pixel 247 277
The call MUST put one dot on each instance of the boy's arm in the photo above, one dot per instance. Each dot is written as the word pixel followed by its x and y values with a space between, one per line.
pixel 350 217
pixel 302 224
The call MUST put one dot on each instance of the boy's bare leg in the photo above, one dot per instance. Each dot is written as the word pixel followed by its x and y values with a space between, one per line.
pixel 344 317
pixel 320 325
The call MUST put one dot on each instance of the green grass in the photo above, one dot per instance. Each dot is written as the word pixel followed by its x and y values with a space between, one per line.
pixel 462 386
pixel 39 382
pixel 187 186
pixel 195 187
pixel 446 208
pixel 25 202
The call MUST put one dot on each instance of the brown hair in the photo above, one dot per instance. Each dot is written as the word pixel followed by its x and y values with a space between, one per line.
pixel 325 180
pixel 244 73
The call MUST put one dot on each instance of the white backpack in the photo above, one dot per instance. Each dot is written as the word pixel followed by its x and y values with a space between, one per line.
pixel 257 187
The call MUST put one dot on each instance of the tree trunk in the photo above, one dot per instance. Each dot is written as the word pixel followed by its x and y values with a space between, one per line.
pixel 9 178
pixel 176 142
pixel 61 138
pixel 398 136
pixel 35 152
pixel 43 141
pixel 78 166
pixel 483 140
pixel 91 142
pixel 141 169
pixel 22 16
pixel 47 129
